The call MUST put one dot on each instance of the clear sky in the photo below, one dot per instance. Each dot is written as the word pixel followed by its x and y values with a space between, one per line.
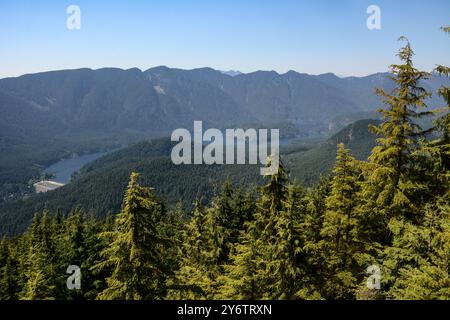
pixel 312 36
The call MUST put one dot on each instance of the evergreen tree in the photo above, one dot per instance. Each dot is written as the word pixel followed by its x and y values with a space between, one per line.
pixel 255 255
pixel 438 150
pixel 311 223
pixel 286 263
pixel 241 279
pixel 94 278
pixel 340 245
pixel 9 271
pixel 414 267
pixel 136 248
pixel 173 229
pixel 208 241
pixel 417 264
pixel 394 185
pixel 202 249
pixel 271 203
pixel 79 246
pixel 40 273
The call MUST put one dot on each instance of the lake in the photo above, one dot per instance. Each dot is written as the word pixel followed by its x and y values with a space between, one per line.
pixel 64 169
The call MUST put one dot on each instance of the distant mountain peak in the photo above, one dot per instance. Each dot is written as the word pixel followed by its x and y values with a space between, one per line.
pixel 231 73
pixel 329 75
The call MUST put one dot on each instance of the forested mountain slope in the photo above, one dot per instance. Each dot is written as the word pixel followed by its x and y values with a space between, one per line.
pixel 99 185
pixel 306 167
pixel 52 115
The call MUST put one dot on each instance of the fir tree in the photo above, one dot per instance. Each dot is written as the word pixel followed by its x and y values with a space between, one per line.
pixel 271 203
pixel 340 245
pixel 136 248
pixel 394 188
pixel 417 265
pixel 241 279
pixel 95 278
pixel 255 254
pixel 40 273
pixel 9 271
pixel 438 150
pixel 286 263
pixel 200 255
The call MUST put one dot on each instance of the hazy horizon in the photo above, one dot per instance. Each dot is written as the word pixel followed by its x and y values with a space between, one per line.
pixel 198 68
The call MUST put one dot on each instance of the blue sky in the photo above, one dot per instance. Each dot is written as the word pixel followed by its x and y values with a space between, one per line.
pixel 312 36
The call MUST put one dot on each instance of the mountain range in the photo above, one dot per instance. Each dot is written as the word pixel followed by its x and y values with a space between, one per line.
pixel 161 99
pixel 53 115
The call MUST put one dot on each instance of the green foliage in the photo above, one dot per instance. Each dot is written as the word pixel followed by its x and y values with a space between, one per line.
pixel 9 271
pixel 136 248
pixel 208 241
pixel 391 176
pixel 283 241
pixel 417 264
pixel 340 245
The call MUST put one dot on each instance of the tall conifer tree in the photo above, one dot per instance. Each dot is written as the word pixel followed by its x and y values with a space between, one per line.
pixel 340 245
pixel 394 187
pixel 136 248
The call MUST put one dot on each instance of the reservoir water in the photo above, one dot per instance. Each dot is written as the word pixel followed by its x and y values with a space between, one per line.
pixel 64 169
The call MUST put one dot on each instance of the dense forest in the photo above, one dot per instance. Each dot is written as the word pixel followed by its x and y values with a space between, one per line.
pixel 386 218
pixel 98 186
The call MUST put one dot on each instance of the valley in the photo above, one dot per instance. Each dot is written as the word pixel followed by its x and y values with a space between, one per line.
pixel 54 115
pixel 99 186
